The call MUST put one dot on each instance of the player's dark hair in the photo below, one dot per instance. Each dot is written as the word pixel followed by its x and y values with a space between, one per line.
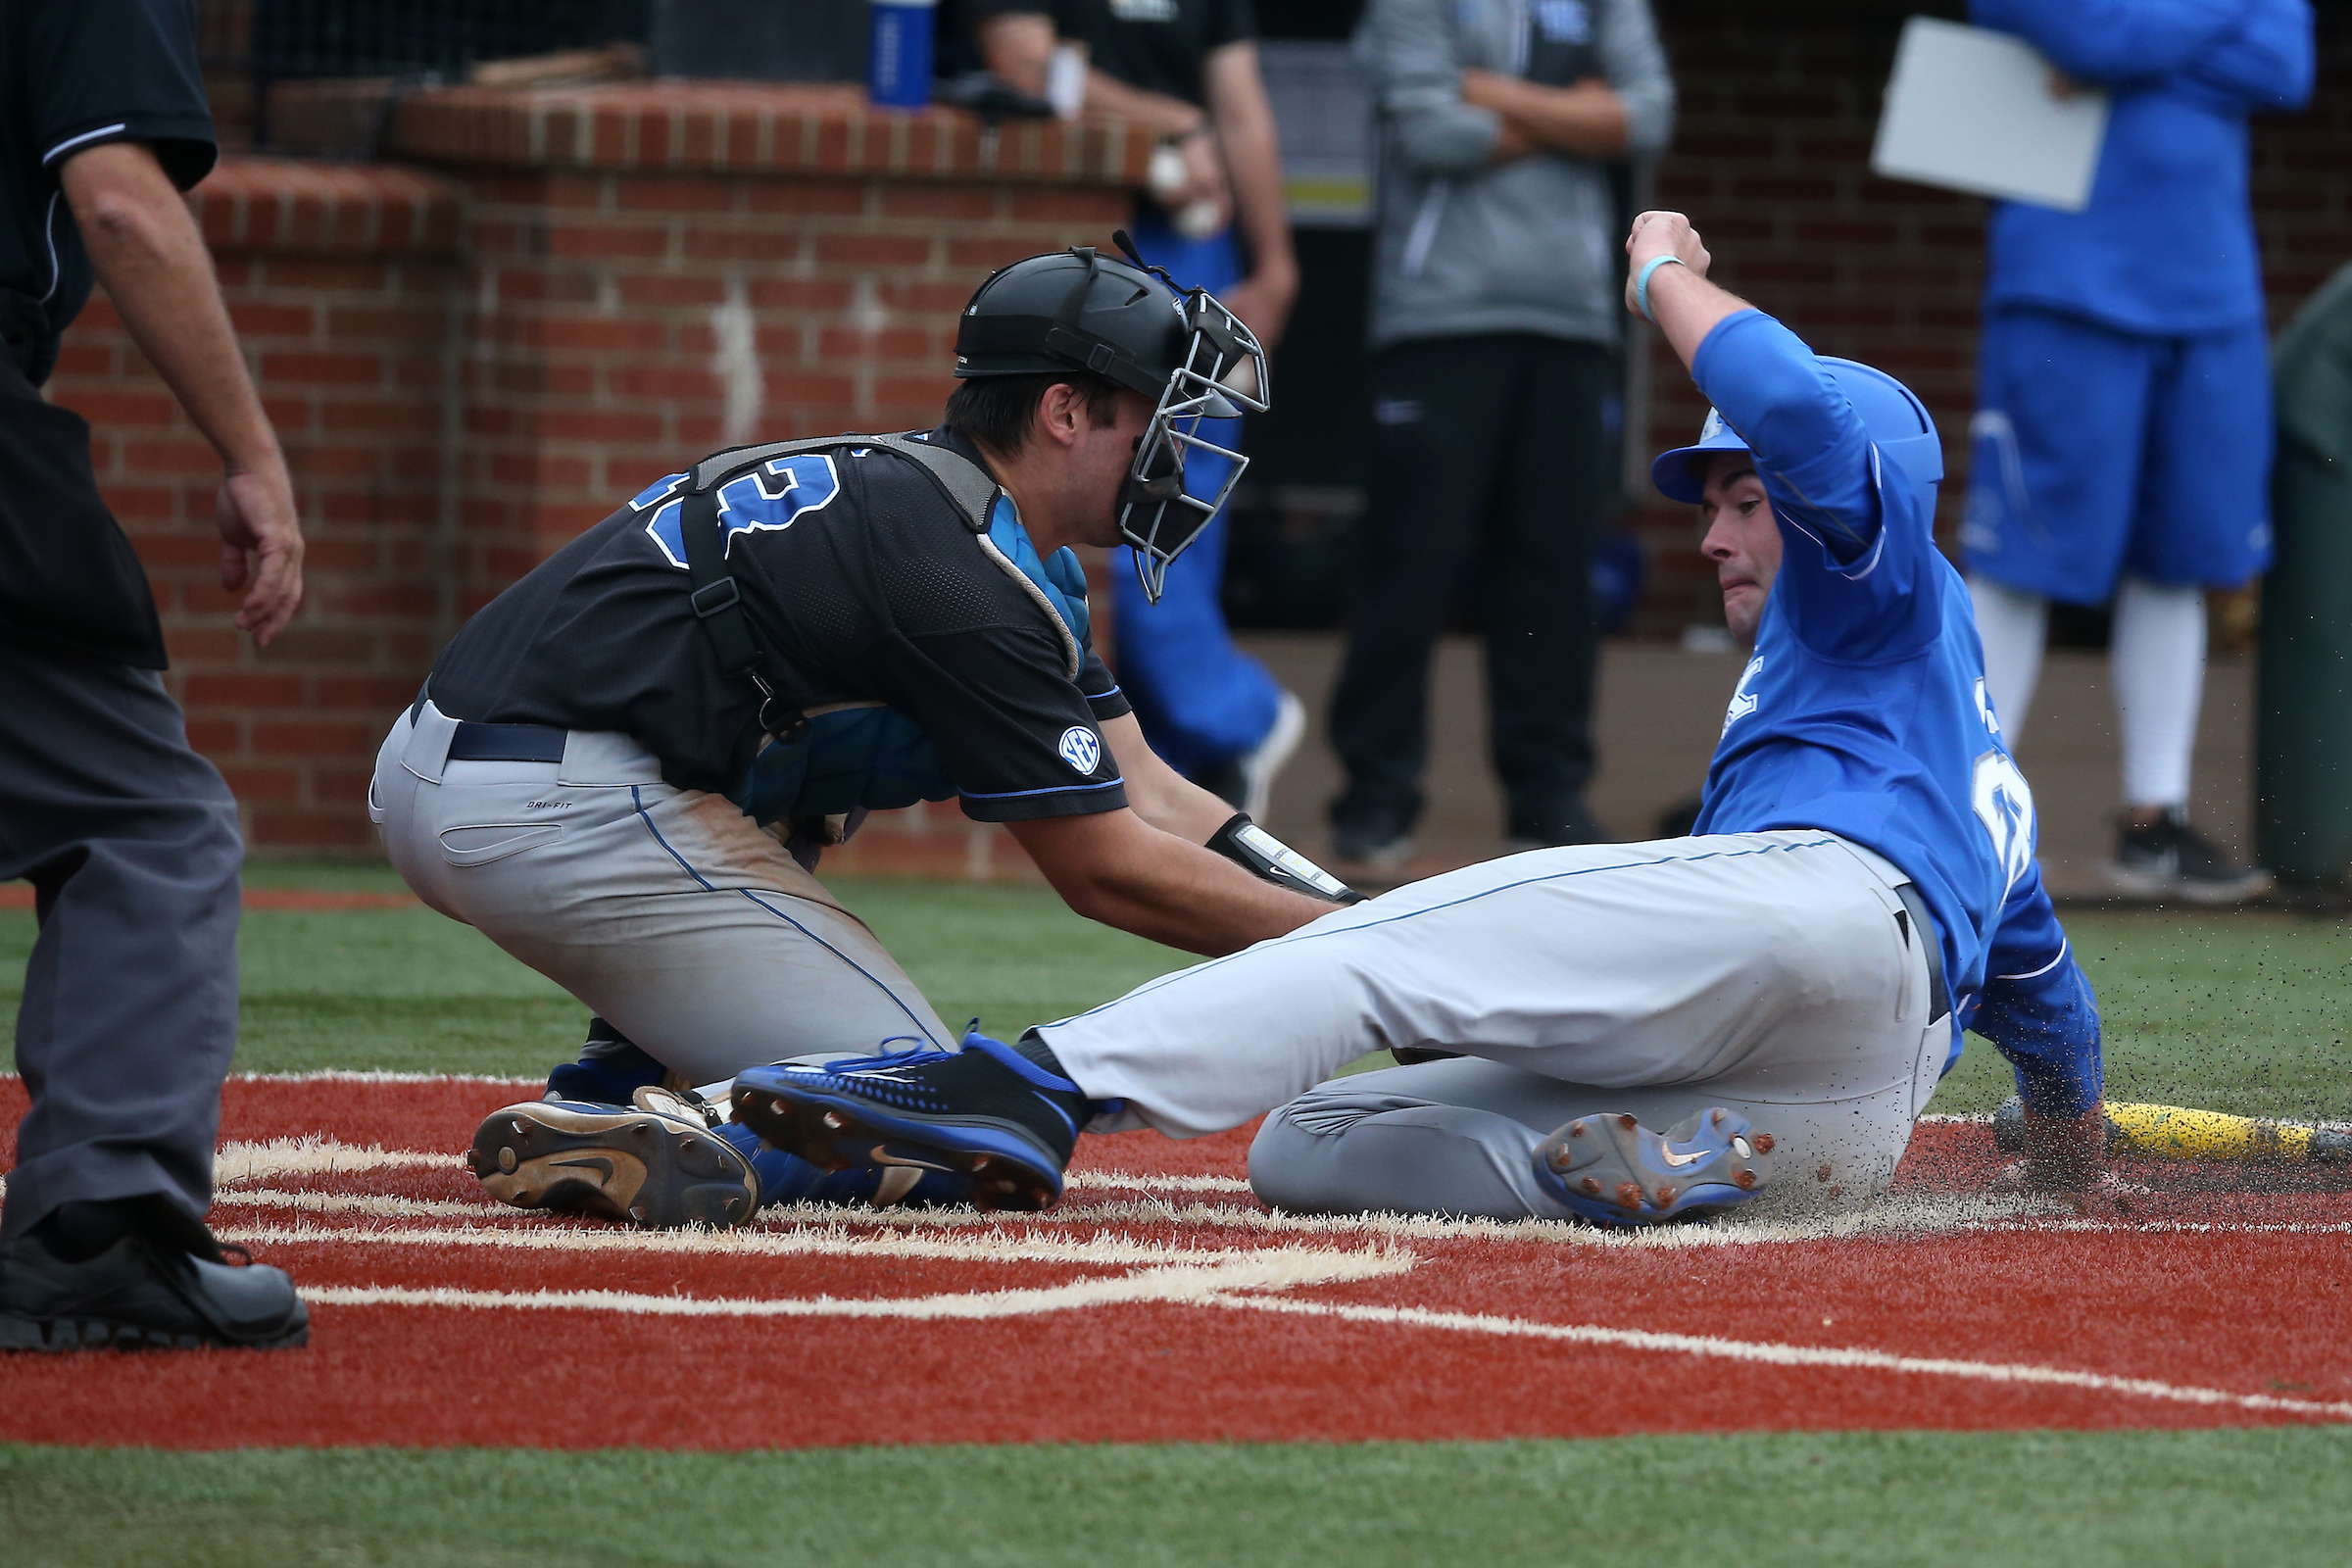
pixel 998 411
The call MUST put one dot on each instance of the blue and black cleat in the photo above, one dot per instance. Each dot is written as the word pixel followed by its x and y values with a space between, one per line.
pixel 1612 1170
pixel 986 1121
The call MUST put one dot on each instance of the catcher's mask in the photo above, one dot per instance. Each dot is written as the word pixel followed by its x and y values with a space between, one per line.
pixel 1129 323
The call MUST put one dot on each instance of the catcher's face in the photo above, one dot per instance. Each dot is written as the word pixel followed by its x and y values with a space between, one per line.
pixel 1742 539
pixel 1098 462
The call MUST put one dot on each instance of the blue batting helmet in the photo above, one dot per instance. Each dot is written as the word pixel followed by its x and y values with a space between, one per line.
pixel 1895 419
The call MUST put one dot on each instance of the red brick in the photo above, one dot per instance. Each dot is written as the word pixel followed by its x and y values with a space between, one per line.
pixel 669 288
pixel 900 343
pixel 980 255
pixel 674 193
pixel 325 273
pixel 125 408
pixel 1033 204
pixel 380 413
pixel 873 250
pixel 661 381
pixel 604 240
pixel 804 198
pixel 971 203
pixel 606 333
pixel 255 318
pixel 538 470
pixel 242 689
pixel 323 368
pixel 802 294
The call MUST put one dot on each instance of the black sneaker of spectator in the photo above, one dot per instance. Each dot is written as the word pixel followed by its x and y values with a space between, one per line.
pixel 2169 859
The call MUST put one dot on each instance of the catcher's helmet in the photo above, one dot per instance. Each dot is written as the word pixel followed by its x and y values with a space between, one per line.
pixel 1892 416
pixel 1075 310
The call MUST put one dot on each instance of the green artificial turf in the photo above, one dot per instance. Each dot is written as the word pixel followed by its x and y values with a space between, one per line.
pixel 2241 1011
pixel 2268 1497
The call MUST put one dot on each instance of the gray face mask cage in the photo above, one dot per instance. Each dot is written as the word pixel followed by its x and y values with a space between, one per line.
pixel 1223 376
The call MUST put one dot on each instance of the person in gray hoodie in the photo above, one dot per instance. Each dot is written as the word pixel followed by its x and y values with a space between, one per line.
pixel 1495 339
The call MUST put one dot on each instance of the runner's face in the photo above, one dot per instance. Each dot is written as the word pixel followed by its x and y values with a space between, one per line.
pixel 1742 539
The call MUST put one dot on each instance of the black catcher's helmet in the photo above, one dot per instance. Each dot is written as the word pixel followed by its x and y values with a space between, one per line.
pixel 1076 310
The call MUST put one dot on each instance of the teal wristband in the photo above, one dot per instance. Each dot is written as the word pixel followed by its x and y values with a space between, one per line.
pixel 1641 282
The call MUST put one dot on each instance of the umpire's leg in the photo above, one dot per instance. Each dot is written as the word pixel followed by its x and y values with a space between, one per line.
pixel 129 1015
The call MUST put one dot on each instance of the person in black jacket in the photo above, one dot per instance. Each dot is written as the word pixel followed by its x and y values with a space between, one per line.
pixel 129 838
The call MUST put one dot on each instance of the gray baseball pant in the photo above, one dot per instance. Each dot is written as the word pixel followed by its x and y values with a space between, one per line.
pixel 666 910
pixel 1764 972
pixel 129 1017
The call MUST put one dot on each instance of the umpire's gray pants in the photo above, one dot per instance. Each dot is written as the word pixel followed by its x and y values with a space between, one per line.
pixel 129 1017
pixel 1766 972
pixel 666 910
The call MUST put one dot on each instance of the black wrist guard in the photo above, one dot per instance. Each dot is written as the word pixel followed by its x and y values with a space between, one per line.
pixel 1266 858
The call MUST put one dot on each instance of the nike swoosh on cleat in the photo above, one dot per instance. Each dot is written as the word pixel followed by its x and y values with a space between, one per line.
pixel 879 1157
pixel 602 1166
pixel 1680 1160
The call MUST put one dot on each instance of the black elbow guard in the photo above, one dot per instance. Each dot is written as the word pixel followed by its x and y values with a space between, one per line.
pixel 1265 856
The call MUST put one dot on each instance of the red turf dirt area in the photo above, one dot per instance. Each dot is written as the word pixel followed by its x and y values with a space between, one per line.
pixel 1162 1301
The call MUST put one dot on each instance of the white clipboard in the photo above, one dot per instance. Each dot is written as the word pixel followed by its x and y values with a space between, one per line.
pixel 1973 110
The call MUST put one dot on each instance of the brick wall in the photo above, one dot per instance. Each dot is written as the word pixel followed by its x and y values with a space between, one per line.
pixel 1778 108
pixel 656 271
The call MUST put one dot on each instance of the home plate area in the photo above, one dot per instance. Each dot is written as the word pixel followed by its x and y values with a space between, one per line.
pixel 1161 1301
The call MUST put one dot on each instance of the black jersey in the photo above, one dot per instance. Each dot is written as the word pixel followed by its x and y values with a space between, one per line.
pixel 865 583
pixel 75 75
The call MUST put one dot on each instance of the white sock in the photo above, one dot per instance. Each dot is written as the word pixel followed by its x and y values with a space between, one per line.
pixel 2157 657
pixel 2012 624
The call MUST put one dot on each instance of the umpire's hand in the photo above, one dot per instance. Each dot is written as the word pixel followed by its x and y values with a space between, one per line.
pixel 261 548
pixel 156 269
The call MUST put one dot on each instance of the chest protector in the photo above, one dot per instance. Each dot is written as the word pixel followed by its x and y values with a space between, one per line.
pixel 850 758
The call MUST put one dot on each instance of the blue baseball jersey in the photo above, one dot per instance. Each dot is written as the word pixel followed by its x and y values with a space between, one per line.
pixel 1863 710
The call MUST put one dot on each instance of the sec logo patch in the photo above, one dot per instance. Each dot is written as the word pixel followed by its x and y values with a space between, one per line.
pixel 1081 748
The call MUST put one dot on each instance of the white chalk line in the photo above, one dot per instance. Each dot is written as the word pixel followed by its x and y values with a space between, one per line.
pixel 1116 1179
pixel 836 1240
pixel 1201 1216
pixel 1266 1270
pixel 240 1162
pixel 1775 1354
pixel 1951 1219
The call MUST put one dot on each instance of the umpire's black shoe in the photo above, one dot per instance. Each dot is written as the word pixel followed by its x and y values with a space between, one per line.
pixel 1001 1118
pixel 160 1283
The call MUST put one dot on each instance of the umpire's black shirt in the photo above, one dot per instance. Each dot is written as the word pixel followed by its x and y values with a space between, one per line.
pixel 873 588
pixel 75 75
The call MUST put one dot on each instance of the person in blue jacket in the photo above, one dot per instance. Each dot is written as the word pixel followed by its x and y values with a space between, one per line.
pixel 2123 434
pixel 1779 992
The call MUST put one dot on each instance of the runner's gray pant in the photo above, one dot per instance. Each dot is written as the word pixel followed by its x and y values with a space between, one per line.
pixel 129 1017
pixel 664 909
pixel 1765 972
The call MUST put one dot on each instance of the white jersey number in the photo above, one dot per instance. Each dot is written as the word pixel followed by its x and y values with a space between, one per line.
pixel 2004 803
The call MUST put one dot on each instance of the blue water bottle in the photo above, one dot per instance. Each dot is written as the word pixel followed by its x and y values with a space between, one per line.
pixel 898 69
